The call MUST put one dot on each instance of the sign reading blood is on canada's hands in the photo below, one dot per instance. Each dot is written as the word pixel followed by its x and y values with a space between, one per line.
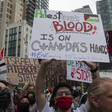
pixel 68 36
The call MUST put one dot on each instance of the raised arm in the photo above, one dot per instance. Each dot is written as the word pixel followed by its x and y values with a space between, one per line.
pixel 40 84
pixel 94 68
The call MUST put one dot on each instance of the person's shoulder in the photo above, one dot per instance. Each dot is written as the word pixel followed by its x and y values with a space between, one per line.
pixel 46 108
pixel 82 108
pixel 34 108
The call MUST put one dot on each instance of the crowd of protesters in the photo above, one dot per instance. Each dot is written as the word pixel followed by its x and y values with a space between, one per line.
pixel 98 97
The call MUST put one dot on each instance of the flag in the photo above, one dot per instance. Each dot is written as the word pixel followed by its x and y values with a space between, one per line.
pixel 91 17
pixel 3 70
pixel 1 54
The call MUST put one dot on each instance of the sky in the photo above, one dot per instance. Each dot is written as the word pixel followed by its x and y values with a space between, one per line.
pixel 69 5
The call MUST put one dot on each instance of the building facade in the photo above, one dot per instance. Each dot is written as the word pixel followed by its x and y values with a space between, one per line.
pixel 10 12
pixel 104 8
pixel 84 9
pixel 17 38
pixel 29 7
pixel 44 4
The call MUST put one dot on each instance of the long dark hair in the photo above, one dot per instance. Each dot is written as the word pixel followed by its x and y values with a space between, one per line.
pixel 60 85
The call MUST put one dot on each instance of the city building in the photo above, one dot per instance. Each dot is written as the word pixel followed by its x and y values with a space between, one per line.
pixel 44 4
pixel 17 38
pixel 104 8
pixel 10 12
pixel 29 7
pixel 84 9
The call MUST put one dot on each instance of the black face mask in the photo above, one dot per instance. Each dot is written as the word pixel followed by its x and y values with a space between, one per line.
pixel 5 98
pixel 32 100
pixel 23 107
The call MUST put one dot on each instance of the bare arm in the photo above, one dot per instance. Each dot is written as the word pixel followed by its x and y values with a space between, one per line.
pixel 25 87
pixel 40 84
pixel 93 65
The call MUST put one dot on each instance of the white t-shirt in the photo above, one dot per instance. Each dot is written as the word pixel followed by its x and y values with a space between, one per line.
pixel 47 108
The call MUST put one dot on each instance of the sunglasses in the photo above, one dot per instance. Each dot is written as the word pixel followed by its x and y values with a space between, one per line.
pixel 67 93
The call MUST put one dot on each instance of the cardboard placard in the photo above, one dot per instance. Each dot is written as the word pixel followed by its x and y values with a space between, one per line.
pixel 22 70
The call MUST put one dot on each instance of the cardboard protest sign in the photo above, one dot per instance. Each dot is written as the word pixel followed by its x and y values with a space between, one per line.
pixel 22 70
pixel 68 36
pixel 56 72
pixel 78 71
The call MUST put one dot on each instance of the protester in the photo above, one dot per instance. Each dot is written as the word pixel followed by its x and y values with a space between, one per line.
pixel 15 98
pixel 83 98
pixel 31 97
pixel 100 95
pixel 6 102
pixel 62 93
pixel 76 99
pixel 27 88
pixel 31 87
pixel 47 94
pixel 23 104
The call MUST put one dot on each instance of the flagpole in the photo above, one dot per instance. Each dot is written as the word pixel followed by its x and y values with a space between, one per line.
pixel 82 87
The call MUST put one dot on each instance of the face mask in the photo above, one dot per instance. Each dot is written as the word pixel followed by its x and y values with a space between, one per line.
pixel 32 100
pixel 5 98
pixel 64 103
pixel 23 107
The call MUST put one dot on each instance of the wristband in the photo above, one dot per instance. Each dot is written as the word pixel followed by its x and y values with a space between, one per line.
pixel 94 70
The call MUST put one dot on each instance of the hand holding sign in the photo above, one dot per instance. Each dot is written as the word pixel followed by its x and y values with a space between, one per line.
pixel 92 65
pixel 46 62
pixel 94 68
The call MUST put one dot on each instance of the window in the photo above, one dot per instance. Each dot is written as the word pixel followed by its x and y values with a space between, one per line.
pixel 19 28
pixel 10 11
pixel 12 41
pixel 10 5
pixel 6 35
pixel 2 4
pixel 0 15
pixel 5 52
pixel 18 51
pixel 6 32
pixel 7 9
pixel 19 36
pixel 1 9
pixel 0 21
pixel 10 31
pixel 7 16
